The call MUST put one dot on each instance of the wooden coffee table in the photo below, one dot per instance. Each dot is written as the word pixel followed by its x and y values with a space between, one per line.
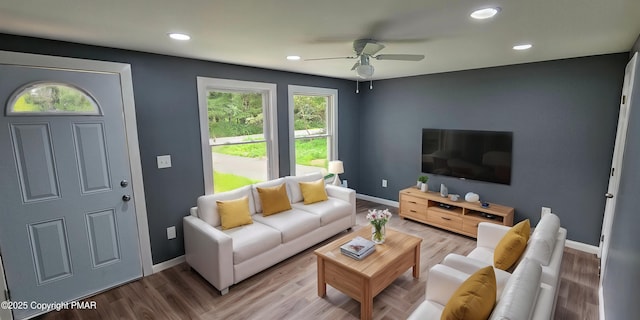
pixel 364 279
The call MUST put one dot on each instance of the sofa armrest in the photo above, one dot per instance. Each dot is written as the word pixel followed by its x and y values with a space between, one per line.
pixel 462 263
pixel 443 282
pixel 345 194
pixel 489 234
pixel 209 251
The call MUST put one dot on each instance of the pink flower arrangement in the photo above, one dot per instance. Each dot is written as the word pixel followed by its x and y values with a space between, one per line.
pixel 377 216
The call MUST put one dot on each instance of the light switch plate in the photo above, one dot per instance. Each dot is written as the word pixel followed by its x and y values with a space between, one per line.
pixel 171 233
pixel 164 161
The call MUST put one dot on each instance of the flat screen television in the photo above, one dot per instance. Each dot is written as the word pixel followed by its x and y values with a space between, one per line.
pixel 468 154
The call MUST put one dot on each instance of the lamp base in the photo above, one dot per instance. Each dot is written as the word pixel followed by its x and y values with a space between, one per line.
pixel 336 181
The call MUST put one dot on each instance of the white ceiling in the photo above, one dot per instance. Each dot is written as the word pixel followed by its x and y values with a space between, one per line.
pixel 262 33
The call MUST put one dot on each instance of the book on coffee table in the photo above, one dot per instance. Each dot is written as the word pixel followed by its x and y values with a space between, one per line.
pixel 358 248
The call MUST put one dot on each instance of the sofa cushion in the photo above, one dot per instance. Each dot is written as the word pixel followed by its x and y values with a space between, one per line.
pixel 234 213
pixel 520 294
pixel 208 209
pixel 509 249
pixel 291 223
pixel 251 240
pixel 329 211
pixel 313 192
pixel 295 195
pixel 475 297
pixel 274 199
pixel 266 184
pixel 483 254
pixel 543 240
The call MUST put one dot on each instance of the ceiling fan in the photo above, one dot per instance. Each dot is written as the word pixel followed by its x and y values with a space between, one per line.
pixel 366 50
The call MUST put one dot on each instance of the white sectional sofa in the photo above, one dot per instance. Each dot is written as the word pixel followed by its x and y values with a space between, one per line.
pixel 524 296
pixel 226 257
pixel 545 246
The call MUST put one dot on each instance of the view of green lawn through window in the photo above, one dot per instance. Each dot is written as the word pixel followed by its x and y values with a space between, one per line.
pixel 236 132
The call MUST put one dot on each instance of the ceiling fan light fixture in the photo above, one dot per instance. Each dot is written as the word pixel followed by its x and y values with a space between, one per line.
pixel 364 71
pixel 293 58
pixel 485 13
pixel 524 46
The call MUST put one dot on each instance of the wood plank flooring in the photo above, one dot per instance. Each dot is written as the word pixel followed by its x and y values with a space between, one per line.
pixel 288 289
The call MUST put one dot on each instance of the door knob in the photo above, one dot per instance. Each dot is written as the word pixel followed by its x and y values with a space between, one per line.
pixel 126 197
pixel 608 195
pixel 124 183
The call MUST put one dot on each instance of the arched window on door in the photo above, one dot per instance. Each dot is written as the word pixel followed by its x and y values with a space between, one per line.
pixel 51 98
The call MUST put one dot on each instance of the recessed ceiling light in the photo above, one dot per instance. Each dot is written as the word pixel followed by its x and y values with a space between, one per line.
pixel 179 36
pixel 485 13
pixel 293 58
pixel 524 46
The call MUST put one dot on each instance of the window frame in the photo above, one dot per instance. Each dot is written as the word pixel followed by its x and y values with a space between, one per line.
pixel 332 120
pixel 270 123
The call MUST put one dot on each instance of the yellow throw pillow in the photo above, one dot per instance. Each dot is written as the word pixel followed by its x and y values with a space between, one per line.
pixel 474 299
pixel 509 249
pixel 313 192
pixel 274 199
pixel 523 228
pixel 234 213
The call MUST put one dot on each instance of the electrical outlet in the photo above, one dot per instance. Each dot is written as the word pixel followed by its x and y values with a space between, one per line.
pixel 171 233
pixel 164 161
pixel 384 183
pixel 545 211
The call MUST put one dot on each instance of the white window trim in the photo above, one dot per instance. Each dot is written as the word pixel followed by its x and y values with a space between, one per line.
pixel 269 107
pixel 332 119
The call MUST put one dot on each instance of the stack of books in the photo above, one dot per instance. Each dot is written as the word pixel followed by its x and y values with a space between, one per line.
pixel 358 248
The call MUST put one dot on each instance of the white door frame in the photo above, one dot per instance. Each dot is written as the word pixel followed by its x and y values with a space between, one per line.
pixel 5 314
pixel 616 162
pixel 124 71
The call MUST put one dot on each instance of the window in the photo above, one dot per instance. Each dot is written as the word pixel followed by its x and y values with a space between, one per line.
pixel 48 98
pixel 238 132
pixel 313 128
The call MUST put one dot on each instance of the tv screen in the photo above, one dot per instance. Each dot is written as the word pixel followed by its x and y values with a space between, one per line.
pixel 467 154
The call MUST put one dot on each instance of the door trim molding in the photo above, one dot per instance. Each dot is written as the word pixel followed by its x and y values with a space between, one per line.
pixel 129 109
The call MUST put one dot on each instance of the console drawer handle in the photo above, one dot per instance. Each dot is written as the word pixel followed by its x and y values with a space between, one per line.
pixel 413 202
pixel 448 219
pixel 413 211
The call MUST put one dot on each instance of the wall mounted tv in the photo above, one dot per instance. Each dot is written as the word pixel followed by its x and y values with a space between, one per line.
pixel 468 154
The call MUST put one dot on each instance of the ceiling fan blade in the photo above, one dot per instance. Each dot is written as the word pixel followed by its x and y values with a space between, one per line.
pixel 401 57
pixel 333 58
pixel 355 65
pixel 372 48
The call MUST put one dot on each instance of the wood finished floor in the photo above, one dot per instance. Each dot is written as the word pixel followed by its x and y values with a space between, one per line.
pixel 288 289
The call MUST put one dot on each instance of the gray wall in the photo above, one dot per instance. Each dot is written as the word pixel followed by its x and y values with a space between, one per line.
pixel 622 273
pixel 562 114
pixel 167 110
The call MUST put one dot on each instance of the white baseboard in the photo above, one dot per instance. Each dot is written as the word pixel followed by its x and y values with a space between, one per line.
pixel 168 264
pixel 581 246
pixel 386 202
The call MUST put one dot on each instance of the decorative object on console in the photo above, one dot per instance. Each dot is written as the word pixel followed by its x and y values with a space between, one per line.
pixel 336 167
pixel 444 192
pixel 454 197
pixel 472 197
pixel 424 187
pixel 484 204
pixel 378 219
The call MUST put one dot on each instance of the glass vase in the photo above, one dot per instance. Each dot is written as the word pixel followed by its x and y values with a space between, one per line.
pixel 378 233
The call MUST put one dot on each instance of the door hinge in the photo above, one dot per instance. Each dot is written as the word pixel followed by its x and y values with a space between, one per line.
pixel 624 99
pixel 7 296
pixel 602 238
pixel 612 171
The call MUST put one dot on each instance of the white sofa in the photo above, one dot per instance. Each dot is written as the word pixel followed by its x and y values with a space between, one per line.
pixel 524 296
pixel 546 246
pixel 226 257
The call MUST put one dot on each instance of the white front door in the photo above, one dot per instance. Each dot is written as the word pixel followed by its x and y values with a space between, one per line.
pixel 616 165
pixel 68 228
